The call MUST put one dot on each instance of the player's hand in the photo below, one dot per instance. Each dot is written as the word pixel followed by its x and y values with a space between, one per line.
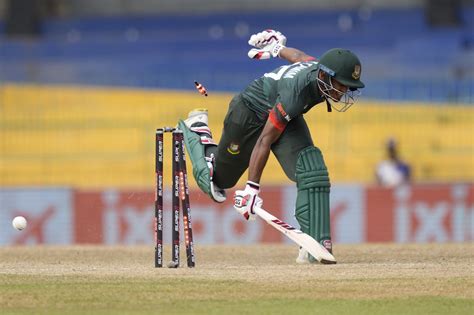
pixel 268 44
pixel 265 38
pixel 245 200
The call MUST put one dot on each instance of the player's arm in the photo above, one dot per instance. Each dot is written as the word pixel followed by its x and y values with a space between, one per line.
pixel 246 200
pixel 261 151
pixel 294 55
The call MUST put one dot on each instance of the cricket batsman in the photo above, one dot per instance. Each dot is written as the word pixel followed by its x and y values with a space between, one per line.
pixel 268 115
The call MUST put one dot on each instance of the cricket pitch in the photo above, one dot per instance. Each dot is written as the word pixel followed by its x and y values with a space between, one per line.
pixel 254 279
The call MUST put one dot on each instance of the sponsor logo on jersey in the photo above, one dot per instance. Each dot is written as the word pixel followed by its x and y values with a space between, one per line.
pixel 233 148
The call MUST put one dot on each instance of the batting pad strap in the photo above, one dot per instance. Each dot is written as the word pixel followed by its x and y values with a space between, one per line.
pixel 315 179
pixel 206 140
pixel 311 171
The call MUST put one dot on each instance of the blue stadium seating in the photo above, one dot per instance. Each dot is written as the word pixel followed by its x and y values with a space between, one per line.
pixel 403 58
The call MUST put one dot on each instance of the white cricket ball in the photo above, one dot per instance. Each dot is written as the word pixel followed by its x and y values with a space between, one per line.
pixel 19 223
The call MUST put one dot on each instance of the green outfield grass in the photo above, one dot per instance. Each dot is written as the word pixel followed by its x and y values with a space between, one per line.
pixel 369 279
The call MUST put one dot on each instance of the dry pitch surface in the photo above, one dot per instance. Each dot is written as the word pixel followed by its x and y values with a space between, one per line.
pixel 263 279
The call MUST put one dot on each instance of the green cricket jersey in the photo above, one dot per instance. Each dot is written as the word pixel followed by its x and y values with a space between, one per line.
pixel 291 89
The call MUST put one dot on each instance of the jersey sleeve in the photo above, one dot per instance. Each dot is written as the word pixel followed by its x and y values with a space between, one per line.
pixel 293 94
pixel 278 117
pixel 292 98
pixel 287 107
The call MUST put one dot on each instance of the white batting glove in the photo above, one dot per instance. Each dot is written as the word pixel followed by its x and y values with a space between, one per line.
pixel 245 200
pixel 268 44
pixel 266 37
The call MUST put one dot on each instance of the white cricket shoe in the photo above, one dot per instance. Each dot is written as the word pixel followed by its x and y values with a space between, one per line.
pixel 217 193
pixel 198 115
pixel 303 257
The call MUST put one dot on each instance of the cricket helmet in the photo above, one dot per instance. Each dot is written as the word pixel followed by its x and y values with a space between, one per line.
pixel 343 66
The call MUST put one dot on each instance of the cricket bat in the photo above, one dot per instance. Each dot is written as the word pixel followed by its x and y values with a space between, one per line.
pixel 313 247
